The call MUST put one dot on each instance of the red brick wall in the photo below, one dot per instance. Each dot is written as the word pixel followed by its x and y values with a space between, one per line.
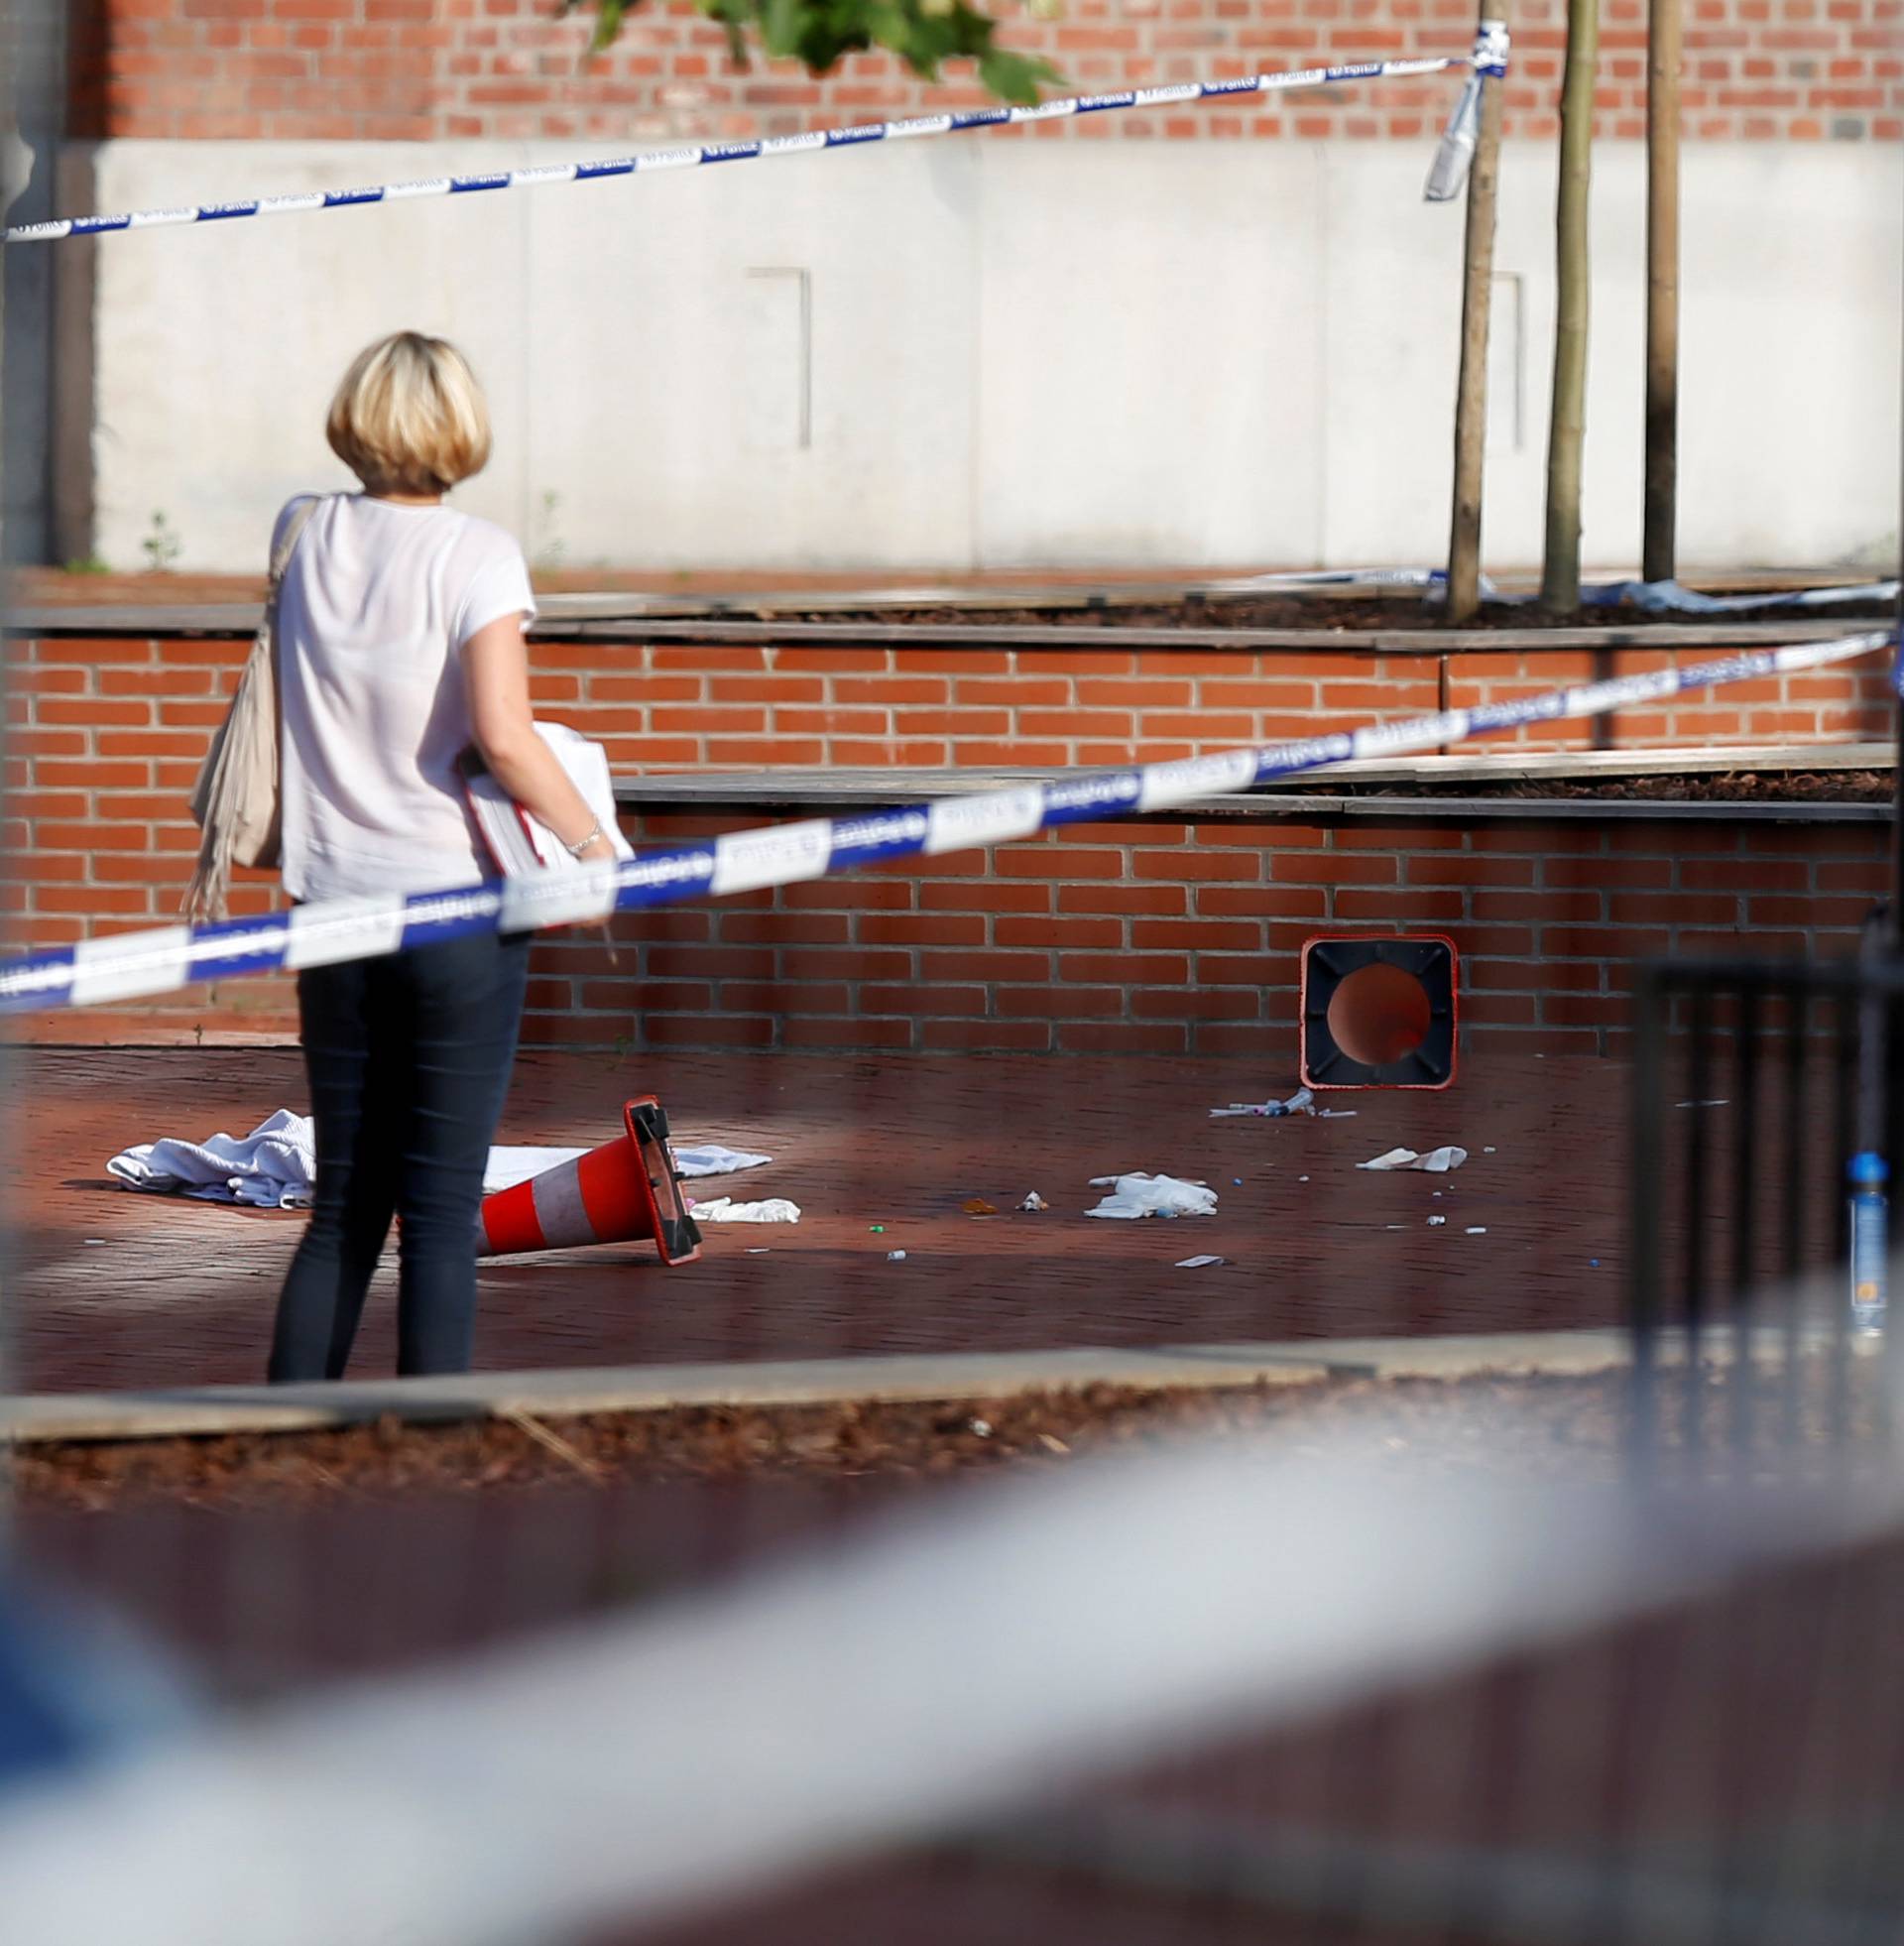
pixel 1150 938
pixel 1142 936
pixel 423 70
pixel 1155 938
pixel 115 712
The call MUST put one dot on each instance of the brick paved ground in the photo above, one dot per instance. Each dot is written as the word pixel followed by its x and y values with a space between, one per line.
pixel 1555 1749
pixel 112 1289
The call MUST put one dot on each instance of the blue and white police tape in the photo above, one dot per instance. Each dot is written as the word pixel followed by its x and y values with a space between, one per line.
pixel 1487 56
pixel 160 960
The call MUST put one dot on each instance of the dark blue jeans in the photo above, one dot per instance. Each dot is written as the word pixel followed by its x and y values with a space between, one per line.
pixel 408 1061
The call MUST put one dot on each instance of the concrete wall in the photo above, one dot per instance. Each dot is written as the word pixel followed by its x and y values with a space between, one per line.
pixel 32 60
pixel 974 353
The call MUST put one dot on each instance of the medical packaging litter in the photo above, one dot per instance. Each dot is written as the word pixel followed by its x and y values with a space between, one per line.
pixel 1300 1102
pixel 1437 1161
pixel 1137 1195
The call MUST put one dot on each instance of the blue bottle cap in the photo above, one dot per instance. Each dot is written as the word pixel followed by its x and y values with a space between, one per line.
pixel 1868 1166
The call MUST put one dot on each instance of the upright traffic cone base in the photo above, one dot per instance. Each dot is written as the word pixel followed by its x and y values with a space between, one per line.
pixel 1378 1013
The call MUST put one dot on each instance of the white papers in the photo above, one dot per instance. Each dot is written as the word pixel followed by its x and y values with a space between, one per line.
pixel 1437 1161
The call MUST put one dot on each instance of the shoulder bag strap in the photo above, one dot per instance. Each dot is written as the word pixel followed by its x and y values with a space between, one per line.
pixel 289 539
pixel 287 546
pixel 279 565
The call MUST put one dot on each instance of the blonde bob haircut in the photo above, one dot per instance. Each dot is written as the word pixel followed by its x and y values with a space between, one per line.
pixel 410 416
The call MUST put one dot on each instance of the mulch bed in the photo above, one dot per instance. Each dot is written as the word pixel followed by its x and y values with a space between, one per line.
pixel 772 596
pixel 1711 788
pixel 1316 609
pixel 1572 1427
pixel 391 1456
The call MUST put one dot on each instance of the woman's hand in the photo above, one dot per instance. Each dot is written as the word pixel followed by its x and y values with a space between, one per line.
pixel 598 851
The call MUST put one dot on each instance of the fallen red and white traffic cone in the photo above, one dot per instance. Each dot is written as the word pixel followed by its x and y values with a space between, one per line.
pixel 625 1189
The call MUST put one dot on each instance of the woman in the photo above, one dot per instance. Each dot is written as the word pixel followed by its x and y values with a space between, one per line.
pixel 400 636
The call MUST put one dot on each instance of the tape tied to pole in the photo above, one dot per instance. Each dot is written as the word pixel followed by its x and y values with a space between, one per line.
pixel 1488 56
pixel 1455 153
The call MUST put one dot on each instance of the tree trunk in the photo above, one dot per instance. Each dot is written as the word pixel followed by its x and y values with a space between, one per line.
pixel 1658 544
pixel 1471 397
pixel 1560 575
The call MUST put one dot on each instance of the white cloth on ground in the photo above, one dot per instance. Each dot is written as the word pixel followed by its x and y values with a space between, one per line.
pixel 1437 1161
pixel 276 1165
pixel 710 1159
pixel 724 1209
pixel 273 1167
pixel 1133 1196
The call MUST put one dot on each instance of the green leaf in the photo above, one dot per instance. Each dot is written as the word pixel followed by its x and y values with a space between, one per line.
pixel 1014 77
pixel 924 33
pixel 608 23
pixel 780 24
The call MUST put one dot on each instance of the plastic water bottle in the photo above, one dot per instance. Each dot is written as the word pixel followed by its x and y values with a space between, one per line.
pixel 1870 1220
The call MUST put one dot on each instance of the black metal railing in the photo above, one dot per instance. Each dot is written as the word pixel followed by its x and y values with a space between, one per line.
pixel 1755 1084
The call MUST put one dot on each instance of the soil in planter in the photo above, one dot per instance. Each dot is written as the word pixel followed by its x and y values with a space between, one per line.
pixel 1319 610
pixel 1707 788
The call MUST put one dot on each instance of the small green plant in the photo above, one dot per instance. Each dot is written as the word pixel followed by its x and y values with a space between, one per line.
pixel 88 564
pixel 162 546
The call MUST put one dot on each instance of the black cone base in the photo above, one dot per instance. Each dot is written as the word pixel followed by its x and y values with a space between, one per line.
pixel 1379 1011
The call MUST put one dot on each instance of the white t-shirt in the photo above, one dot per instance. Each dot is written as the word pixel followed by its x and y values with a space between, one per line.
pixel 377 605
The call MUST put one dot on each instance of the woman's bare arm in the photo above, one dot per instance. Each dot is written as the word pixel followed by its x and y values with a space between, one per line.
pixel 496 668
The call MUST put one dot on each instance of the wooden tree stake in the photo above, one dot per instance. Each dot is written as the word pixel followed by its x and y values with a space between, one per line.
pixel 1560 572
pixel 1658 550
pixel 1471 396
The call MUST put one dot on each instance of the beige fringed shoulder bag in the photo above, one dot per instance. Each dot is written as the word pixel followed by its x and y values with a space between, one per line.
pixel 235 801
